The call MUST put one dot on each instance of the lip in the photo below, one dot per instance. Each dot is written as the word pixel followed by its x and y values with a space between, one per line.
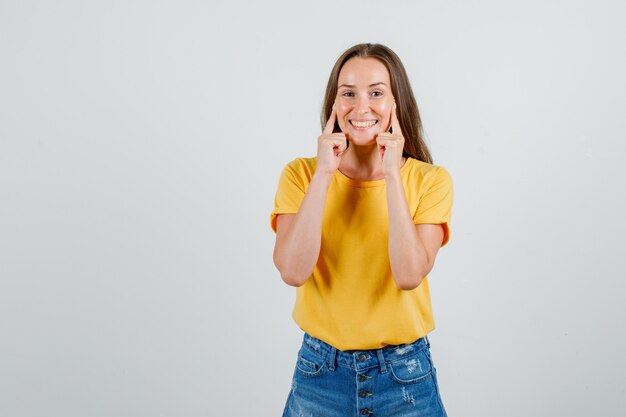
pixel 362 121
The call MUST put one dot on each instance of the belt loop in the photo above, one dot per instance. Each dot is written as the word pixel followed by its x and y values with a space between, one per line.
pixel 427 341
pixel 381 361
pixel 332 357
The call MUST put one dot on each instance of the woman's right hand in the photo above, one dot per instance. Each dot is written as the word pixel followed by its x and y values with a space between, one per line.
pixel 330 147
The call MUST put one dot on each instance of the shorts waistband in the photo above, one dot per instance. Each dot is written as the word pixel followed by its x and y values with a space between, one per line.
pixel 364 359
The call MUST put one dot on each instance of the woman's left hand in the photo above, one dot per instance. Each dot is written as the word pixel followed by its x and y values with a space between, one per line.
pixel 391 146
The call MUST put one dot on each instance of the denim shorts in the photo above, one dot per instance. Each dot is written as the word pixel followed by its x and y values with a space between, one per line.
pixel 395 381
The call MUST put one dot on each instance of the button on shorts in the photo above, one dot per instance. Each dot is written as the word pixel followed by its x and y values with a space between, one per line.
pixel 395 381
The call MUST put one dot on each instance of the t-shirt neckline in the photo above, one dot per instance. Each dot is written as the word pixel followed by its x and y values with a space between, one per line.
pixel 366 184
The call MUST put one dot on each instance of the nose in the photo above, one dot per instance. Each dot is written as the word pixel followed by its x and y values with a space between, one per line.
pixel 362 104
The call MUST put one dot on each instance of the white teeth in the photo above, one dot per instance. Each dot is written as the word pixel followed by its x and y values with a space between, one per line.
pixel 369 123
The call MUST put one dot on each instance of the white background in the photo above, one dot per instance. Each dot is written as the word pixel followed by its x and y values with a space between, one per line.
pixel 140 148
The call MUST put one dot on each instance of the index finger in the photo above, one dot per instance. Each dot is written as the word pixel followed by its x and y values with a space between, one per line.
pixel 395 125
pixel 330 124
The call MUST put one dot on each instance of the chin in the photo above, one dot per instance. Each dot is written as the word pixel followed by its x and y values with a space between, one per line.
pixel 362 139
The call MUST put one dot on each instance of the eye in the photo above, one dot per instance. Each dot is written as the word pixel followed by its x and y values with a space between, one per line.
pixel 347 94
pixel 377 93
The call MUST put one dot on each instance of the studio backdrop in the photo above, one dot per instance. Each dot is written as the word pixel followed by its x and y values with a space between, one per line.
pixel 141 144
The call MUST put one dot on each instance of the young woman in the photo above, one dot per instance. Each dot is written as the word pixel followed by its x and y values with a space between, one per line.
pixel 357 231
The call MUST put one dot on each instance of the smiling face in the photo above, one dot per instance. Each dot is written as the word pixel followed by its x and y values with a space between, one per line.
pixel 364 100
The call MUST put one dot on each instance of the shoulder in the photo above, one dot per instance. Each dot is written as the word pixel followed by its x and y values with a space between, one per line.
pixel 301 169
pixel 297 173
pixel 302 165
pixel 423 173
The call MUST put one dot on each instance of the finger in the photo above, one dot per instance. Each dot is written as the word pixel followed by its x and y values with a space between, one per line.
pixel 330 124
pixel 389 140
pixel 334 138
pixel 383 137
pixel 339 148
pixel 395 124
pixel 334 142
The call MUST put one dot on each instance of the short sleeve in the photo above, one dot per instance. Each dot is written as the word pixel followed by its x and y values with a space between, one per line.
pixel 435 204
pixel 291 189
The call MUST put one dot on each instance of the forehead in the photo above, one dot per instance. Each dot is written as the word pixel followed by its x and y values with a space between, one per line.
pixel 363 72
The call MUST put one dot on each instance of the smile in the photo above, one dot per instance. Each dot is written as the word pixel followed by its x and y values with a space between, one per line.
pixel 365 124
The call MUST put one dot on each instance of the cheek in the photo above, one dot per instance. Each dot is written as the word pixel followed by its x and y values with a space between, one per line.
pixel 342 110
pixel 384 109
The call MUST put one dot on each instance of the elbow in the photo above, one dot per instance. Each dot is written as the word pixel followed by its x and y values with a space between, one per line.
pixel 411 281
pixel 288 275
pixel 293 280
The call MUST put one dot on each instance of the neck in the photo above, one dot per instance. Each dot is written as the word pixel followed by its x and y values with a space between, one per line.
pixel 362 163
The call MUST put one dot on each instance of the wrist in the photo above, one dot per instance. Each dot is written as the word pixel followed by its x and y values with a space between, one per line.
pixel 322 177
pixel 393 175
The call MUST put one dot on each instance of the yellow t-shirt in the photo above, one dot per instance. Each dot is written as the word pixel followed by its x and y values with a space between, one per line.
pixel 351 300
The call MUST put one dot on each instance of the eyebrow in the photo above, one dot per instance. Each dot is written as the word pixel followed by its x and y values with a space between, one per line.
pixel 353 86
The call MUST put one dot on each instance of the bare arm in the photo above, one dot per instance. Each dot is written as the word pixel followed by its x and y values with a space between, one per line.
pixel 412 248
pixel 299 236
